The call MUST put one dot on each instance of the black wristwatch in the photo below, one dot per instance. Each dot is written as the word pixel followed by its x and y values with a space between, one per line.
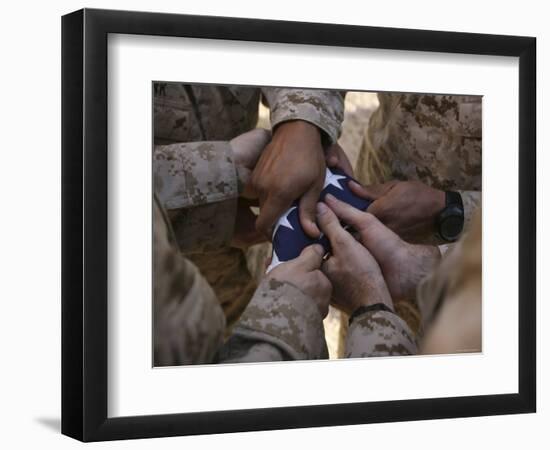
pixel 450 222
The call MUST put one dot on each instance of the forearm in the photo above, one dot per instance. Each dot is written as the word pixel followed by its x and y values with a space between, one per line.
pixel 280 323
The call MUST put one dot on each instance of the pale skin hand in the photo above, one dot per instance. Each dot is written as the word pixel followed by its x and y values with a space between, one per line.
pixel 354 273
pixel 403 265
pixel 247 149
pixel 291 167
pixel 304 273
pixel 409 208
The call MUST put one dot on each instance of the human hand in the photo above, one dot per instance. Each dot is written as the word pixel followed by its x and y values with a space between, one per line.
pixel 247 148
pixel 245 233
pixel 403 265
pixel 410 208
pixel 303 272
pixel 291 167
pixel 336 157
pixel 354 273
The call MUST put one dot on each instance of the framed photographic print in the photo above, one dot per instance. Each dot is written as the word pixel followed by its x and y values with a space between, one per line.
pixel 273 224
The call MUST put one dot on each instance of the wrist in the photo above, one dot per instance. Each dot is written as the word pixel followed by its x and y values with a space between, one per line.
pixel 450 221
pixel 302 127
pixel 375 293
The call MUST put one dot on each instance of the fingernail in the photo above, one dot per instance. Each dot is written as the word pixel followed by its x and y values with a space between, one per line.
pixel 321 208
pixel 330 197
pixel 318 249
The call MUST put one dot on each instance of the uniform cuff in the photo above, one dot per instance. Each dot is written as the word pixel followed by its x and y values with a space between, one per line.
pixel 324 109
pixel 197 184
pixel 194 174
pixel 379 333
pixel 282 315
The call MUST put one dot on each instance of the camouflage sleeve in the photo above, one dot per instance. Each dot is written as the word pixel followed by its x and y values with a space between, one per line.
pixel 379 333
pixel 197 183
pixel 281 323
pixel 471 201
pixel 325 109
pixel 188 322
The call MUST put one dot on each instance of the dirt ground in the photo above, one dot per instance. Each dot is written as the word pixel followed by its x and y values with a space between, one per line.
pixel 358 108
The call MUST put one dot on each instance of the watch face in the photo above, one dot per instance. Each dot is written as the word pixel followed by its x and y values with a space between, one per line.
pixel 451 227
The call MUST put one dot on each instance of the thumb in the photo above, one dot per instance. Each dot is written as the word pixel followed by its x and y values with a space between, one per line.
pixel 311 257
pixel 374 235
pixel 307 211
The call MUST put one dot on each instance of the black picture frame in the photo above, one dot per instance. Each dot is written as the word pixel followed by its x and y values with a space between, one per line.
pixel 84 224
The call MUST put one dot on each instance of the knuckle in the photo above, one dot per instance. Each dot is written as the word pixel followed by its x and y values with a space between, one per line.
pixel 339 240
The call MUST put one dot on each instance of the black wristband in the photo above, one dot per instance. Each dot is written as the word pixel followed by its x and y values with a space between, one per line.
pixel 366 308
pixel 453 198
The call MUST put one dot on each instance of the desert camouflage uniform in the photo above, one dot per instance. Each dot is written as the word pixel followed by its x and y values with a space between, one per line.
pixel 184 114
pixel 188 323
pixel 280 322
pixel 379 333
pixel 450 298
pixel 435 139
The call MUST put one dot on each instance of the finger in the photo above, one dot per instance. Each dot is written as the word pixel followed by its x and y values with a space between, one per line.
pixel 347 213
pixel 252 143
pixel 311 257
pixel 376 208
pixel 330 226
pixel 325 289
pixel 307 211
pixel 372 192
pixel 332 161
pixel 270 211
pixel 371 231
pixel 336 157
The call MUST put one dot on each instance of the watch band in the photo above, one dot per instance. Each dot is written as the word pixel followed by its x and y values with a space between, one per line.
pixel 453 208
pixel 453 198
pixel 366 308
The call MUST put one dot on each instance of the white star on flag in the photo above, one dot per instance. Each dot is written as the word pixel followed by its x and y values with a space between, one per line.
pixel 331 178
pixel 283 221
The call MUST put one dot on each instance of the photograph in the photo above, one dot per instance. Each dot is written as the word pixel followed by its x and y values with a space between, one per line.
pixel 274 224
pixel 308 224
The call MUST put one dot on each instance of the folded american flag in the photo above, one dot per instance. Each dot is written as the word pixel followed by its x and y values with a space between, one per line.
pixel 289 239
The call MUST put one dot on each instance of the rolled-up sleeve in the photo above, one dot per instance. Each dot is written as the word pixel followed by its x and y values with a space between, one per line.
pixel 280 323
pixel 379 333
pixel 322 108
pixel 197 184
